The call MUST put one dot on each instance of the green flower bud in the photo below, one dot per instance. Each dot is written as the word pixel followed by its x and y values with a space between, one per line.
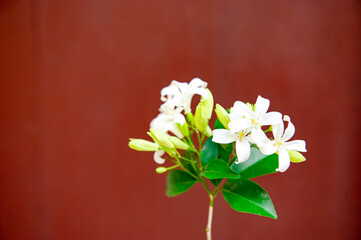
pixel 142 145
pixel 209 131
pixel 296 157
pixel 200 118
pixel 179 144
pixel 190 118
pixel 183 129
pixel 161 170
pixel 208 105
pixel 222 115
pixel 160 138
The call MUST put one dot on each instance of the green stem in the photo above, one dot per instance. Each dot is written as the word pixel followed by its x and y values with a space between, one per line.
pixel 192 163
pixel 205 185
pixel 185 169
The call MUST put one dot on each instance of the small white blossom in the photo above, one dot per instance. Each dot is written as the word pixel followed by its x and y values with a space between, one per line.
pixel 243 117
pixel 280 143
pixel 180 94
pixel 225 136
pixel 168 118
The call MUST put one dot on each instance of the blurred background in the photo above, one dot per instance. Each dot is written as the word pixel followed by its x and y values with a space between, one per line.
pixel 78 78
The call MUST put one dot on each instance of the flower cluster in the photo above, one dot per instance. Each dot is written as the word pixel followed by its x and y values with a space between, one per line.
pixel 237 150
pixel 177 98
pixel 245 128
pixel 243 125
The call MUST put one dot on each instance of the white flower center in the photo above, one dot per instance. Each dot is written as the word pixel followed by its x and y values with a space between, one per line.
pixel 254 123
pixel 241 135
pixel 278 144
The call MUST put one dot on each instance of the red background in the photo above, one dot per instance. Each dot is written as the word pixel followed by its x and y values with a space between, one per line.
pixel 78 79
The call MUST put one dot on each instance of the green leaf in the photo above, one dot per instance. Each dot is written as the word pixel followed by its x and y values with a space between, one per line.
pixel 218 168
pixel 227 147
pixel 178 182
pixel 223 154
pixel 247 196
pixel 218 125
pixel 209 151
pixel 258 164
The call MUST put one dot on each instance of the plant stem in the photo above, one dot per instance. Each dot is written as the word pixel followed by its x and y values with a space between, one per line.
pixel 210 215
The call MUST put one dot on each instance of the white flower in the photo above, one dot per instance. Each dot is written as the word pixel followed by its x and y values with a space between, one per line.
pixel 180 94
pixel 158 156
pixel 225 136
pixel 168 118
pixel 243 117
pixel 280 143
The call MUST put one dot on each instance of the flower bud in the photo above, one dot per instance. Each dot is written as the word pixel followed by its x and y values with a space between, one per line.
pixel 208 104
pixel 209 131
pixel 179 144
pixel 161 170
pixel 183 129
pixel 200 118
pixel 142 145
pixel 160 138
pixel 190 118
pixel 222 115
pixel 296 157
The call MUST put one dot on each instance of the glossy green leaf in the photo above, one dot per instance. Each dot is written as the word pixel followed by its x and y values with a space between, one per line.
pixel 218 125
pixel 178 182
pixel 218 168
pixel 223 154
pixel 258 164
pixel 209 151
pixel 227 147
pixel 247 196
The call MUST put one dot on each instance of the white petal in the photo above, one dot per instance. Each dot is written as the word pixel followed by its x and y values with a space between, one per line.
pixel 297 145
pixel 179 118
pixel 169 91
pixel 167 107
pixel 197 83
pixel 176 100
pixel 271 118
pixel 249 137
pixel 265 145
pixel 223 136
pixel 243 150
pixel 157 121
pixel 177 132
pixel 187 102
pixel 268 148
pixel 240 109
pixel 180 85
pixel 200 91
pixel 157 156
pixel 259 137
pixel 283 160
pixel 261 106
pixel 277 130
pixel 240 124
pixel 290 130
